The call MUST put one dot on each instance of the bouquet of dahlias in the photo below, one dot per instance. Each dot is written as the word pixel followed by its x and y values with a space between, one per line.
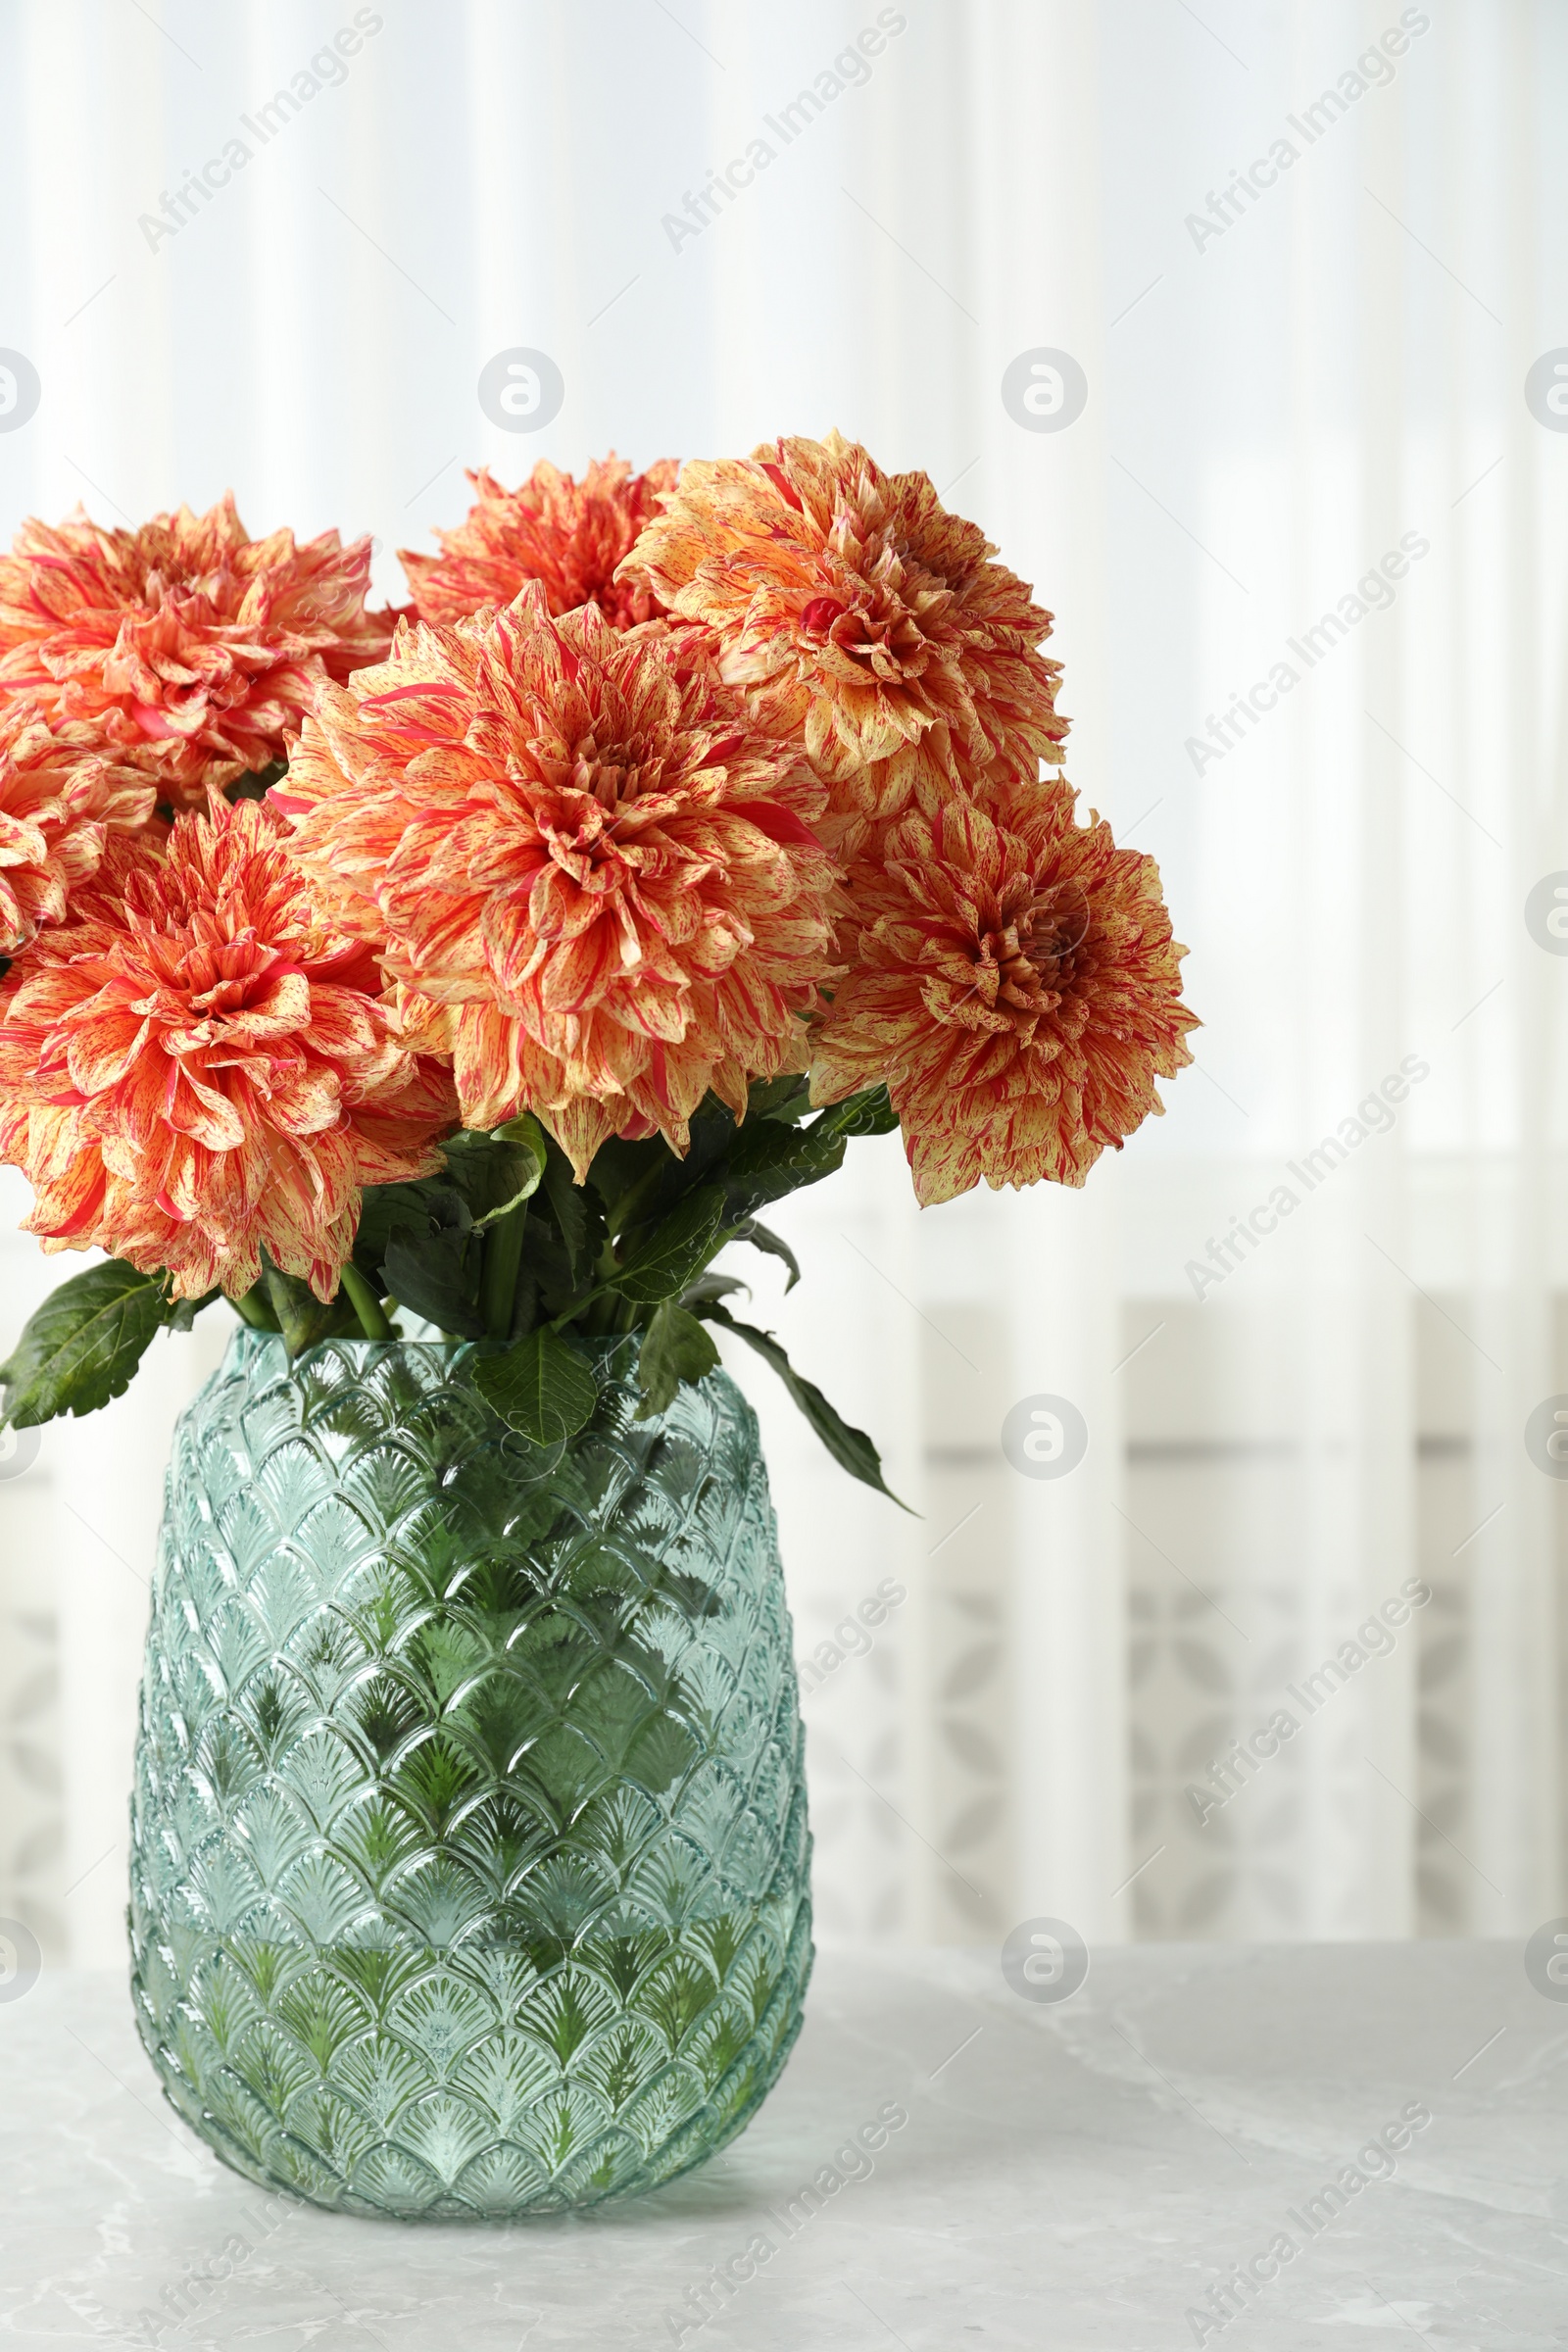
pixel 501 959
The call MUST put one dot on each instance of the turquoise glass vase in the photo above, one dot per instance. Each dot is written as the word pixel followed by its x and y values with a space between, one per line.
pixel 468 1862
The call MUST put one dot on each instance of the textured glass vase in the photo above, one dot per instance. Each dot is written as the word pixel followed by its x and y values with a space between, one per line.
pixel 468 1858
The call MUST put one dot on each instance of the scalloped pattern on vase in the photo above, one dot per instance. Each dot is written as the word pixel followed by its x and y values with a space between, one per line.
pixel 468 1865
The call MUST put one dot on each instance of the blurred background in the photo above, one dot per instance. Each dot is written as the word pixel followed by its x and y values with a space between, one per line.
pixel 1243 330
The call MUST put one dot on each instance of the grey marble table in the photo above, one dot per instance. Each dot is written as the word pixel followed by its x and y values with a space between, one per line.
pixel 1082 2173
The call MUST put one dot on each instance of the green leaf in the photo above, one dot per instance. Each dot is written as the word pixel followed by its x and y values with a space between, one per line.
pixel 435 1273
pixel 869 1112
pixel 768 1160
pixel 387 1209
pixel 545 1280
pixel 675 1250
pixel 675 1347
pixel 620 1166
pixel 541 1386
pixel 524 1129
pixel 183 1314
pixel 80 1347
pixel 425 1242
pixel 416 1242
pixel 851 1448
pixel 641 1183
pixel 712 1286
pixel 787 1099
pixel 569 1205
pixel 771 1245
pixel 496 1172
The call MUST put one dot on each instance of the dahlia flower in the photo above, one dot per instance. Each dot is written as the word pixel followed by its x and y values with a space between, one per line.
pixel 862 614
pixel 1017 985
pixel 577 842
pixel 61 796
pixel 193 1068
pixel 567 535
pixel 185 636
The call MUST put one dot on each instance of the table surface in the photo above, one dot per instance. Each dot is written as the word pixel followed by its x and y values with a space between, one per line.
pixel 1072 2174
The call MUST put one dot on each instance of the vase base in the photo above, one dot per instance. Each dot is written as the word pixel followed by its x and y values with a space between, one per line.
pixel 476 2085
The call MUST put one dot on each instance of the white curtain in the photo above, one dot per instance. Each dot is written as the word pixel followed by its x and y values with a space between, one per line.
pixel 1305 398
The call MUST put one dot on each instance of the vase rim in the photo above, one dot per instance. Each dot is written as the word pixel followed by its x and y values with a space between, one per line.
pixel 247 1338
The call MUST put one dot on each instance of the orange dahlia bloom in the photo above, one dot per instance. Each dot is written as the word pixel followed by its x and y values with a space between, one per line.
pixel 61 796
pixel 570 536
pixel 1017 987
pixel 577 844
pixel 193 1068
pixel 865 615
pixel 185 636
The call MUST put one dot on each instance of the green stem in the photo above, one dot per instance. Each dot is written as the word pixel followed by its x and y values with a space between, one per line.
pixel 365 1305
pixel 255 1308
pixel 502 1256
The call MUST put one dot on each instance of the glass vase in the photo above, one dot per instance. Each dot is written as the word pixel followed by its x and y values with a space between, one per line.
pixel 468 1863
